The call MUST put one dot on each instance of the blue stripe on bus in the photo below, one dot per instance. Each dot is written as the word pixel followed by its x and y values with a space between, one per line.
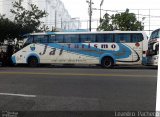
pixel 123 52
pixel 50 33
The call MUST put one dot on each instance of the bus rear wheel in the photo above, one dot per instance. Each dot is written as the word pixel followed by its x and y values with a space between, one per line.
pixel 107 62
pixel 32 62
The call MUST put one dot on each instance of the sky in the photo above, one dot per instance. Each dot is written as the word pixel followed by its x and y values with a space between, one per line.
pixel 79 9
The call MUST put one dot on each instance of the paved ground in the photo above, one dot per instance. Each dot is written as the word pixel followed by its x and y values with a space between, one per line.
pixel 78 89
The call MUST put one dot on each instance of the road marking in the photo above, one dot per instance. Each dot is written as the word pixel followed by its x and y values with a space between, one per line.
pixel 19 95
pixel 77 74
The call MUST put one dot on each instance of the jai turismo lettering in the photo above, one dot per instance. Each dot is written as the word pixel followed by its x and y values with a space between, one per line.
pixel 113 46
pixel 75 46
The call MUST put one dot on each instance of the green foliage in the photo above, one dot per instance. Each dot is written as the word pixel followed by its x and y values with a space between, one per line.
pixel 28 19
pixel 25 21
pixel 8 29
pixel 121 21
pixel 105 23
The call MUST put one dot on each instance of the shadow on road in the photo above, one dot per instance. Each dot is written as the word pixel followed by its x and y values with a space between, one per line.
pixel 131 67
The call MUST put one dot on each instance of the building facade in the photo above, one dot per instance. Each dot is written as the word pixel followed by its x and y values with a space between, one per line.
pixel 58 17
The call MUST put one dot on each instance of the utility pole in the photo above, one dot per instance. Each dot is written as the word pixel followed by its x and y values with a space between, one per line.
pixel 100 10
pixel 20 1
pixel 61 23
pixel 90 13
pixel 55 18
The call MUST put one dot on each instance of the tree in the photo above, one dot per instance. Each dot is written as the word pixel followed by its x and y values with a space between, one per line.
pixel 121 21
pixel 28 19
pixel 8 29
pixel 105 23
pixel 25 21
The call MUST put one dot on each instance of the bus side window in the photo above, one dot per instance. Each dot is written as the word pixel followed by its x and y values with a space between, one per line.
pixel 71 38
pixel 100 38
pixel 91 38
pixel 83 38
pixel 75 39
pixel 52 39
pixel 59 38
pixel 108 38
pixel 44 39
pixel 122 38
pixel 40 39
pixel 137 37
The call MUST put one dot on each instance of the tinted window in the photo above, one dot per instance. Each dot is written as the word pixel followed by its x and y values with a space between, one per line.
pixel 71 38
pixel 87 38
pixel 137 37
pixel 59 38
pixel 155 34
pixel 29 40
pixel 108 38
pixel 40 39
pixel 52 39
pixel 91 38
pixel 122 38
pixel 100 38
pixel 83 38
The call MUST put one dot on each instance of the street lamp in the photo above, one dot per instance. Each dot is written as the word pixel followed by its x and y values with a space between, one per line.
pixel 100 9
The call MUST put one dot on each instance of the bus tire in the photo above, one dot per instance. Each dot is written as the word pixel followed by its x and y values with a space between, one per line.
pixel 107 62
pixel 32 61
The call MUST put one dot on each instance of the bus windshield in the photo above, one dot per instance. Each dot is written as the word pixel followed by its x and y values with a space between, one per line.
pixel 155 34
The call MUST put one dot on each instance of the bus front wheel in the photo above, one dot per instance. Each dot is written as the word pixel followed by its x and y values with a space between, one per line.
pixel 32 62
pixel 107 62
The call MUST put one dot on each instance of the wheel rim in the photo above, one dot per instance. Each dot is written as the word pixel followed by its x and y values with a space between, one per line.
pixel 107 62
pixel 33 62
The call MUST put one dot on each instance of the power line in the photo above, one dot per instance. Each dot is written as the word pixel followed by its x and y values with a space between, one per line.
pixel 117 11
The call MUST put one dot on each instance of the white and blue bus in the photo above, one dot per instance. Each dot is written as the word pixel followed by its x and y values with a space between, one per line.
pixel 106 48
pixel 153 48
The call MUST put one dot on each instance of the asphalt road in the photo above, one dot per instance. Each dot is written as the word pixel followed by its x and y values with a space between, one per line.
pixel 78 89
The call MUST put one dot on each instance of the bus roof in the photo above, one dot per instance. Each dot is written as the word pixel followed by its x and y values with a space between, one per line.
pixel 96 32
